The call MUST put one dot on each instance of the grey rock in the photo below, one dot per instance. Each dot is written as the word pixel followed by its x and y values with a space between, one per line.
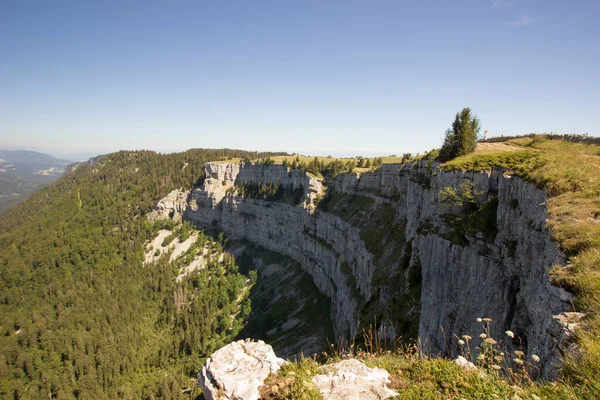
pixel 504 278
pixel 172 206
pixel 237 370
pixel 353 380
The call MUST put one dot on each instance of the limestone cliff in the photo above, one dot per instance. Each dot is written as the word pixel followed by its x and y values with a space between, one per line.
pixel 402 245
pixel 171 206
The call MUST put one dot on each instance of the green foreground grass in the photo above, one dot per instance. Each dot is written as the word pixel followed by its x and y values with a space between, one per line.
pixel 570 173
pixel 415 377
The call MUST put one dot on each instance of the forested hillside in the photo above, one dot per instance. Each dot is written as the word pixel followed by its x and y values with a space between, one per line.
pixel 80 314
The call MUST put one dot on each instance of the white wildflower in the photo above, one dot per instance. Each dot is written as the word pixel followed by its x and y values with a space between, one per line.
pixel 510 334
pixel 478 320
pixel 519 353
pixel 535 358
pixel 482 336
pixel 461 342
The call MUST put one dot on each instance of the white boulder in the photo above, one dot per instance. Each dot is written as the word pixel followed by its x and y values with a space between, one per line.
pixel 237 370
pixel 353 380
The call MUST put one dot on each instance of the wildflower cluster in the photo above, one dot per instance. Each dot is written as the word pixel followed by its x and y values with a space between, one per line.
pixel 492 354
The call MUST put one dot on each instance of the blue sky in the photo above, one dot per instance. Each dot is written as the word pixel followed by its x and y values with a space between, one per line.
pixel 327 77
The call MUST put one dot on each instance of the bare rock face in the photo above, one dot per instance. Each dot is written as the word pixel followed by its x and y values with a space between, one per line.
pixel 351 379
pixel 172 206
pixel 496 268
pixel 237 370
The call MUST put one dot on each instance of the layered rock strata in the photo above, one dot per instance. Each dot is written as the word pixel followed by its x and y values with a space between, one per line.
pixel 490 259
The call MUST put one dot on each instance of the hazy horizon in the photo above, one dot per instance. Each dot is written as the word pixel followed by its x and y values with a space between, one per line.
pixel 85 155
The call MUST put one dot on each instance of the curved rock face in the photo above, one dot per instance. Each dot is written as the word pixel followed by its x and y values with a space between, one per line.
pixel 237 370
pixel 456 262
pixel 296 231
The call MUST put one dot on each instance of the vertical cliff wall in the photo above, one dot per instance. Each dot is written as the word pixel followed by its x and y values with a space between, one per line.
pixel 416 248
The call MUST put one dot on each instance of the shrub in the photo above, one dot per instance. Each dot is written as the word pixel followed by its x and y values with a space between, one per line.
pixel 168 240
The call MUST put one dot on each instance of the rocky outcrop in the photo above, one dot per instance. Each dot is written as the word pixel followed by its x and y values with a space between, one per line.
pixel 490 259
pixel 353 380
pixel 172 206
pixel 72 167
pixel 237 370
pixel 222 176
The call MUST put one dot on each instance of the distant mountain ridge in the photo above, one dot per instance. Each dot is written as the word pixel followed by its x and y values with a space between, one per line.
pixel 73 166
pixel 23 172
pixel 31 165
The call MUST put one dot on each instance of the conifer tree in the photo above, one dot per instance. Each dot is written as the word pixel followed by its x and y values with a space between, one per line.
pixel 461 139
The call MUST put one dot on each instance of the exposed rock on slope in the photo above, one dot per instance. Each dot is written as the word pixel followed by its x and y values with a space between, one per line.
pixel 172 206
pixel 287 308
pixel 395 244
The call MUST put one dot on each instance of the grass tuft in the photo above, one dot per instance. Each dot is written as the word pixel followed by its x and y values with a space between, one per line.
pixel 293 381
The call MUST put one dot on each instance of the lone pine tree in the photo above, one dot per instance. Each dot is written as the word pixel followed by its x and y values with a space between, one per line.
pixel 462 137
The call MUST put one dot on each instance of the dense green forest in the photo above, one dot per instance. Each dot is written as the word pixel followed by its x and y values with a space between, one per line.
pixel 81 316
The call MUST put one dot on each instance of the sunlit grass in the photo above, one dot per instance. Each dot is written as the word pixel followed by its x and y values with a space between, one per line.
pixel 436 378
pixel 327 159
pixel 416 377
pixel 487 148
pixel 229 160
